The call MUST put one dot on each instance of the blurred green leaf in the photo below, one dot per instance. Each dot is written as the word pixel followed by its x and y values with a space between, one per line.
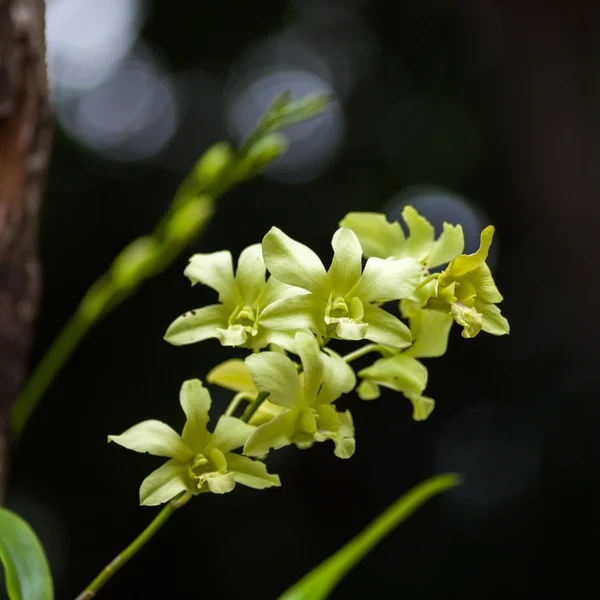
pixel 26 569
pixel 321 581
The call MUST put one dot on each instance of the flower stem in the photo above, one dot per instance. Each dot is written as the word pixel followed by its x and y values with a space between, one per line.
pixel 253 406
pixel 361 352
pixel 56 356
pixel 235 402
pixel 123 557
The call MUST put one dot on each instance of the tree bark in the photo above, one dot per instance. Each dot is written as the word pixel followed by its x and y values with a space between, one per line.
pixel 25 137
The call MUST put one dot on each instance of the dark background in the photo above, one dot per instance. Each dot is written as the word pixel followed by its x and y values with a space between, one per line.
pixel 481 111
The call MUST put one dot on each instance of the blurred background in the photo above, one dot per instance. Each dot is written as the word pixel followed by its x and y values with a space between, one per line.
pixel 473 111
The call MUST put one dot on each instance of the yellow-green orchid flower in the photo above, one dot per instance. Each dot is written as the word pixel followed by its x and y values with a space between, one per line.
pixel 306 398
pixel 380 238
pixel 466 289
pixel 342 302
pixel 199 461
pixel 242 299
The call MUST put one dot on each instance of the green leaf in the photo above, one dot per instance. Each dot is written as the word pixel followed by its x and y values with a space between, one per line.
pixel 26 568
pixel 320 582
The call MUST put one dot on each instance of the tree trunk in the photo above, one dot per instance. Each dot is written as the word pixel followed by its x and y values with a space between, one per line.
pixel 25 136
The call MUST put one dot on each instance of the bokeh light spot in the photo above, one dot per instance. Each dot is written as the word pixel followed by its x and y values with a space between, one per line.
pixel 131 116
pixel 86 41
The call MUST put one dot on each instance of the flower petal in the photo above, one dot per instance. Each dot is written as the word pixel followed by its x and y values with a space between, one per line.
pixel 266 411
pixel 327 418
pixel 347 329
pixel 216 271
pixel 234 335
pixel 378 237
pixel 450 244
pixel 309 352
pixel 338 377
pixel 387 279
pixel 469 318
pixel 346 266
pixel 292 262
pixel 421 234
pixel 153 437
pixel 385 328
pixel 275 434
pixel 337 427
pixel 493 321
pixel 399 372
pixel 430 330
pixel 368 390
pixel 250 276
pixel 230 433
pixel 220 483
pixel 197 325
pixel 275 373
pixel 298 312
pixel 483 282
pixel 422 406
pixel 164 484
pixel 233 375
pixel 251 473
pixel 283 339
pixel 464 263
pixel 276 290
pixel 195 402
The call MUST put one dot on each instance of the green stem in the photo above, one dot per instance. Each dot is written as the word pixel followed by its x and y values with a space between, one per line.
pixel 56 356
pixel 253 406
pixel 161 518
pixel 123 557
pixel 235 402
pixel 361 352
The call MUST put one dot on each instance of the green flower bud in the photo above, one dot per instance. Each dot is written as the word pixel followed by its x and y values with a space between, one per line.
pixel 189 219
pixel 134 262
pixel 212 164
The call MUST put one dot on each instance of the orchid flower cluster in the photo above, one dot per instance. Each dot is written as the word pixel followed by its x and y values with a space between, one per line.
pixel 285 307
